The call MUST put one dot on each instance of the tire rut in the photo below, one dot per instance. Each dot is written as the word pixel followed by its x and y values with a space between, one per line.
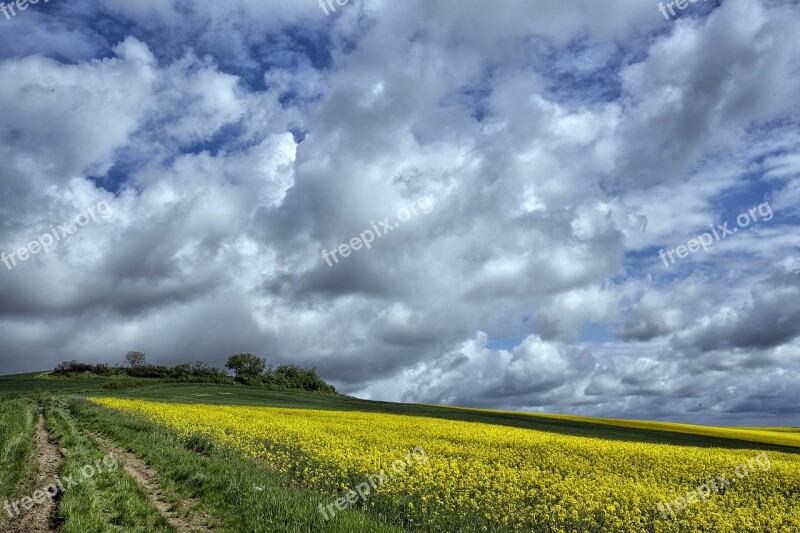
pixel 146 477
pixel 40 518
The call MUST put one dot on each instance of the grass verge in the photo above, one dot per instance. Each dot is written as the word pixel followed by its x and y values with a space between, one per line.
pixel 245 495
pixel 18 418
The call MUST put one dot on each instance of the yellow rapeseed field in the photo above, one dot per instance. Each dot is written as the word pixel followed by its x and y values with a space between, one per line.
pixel 483 477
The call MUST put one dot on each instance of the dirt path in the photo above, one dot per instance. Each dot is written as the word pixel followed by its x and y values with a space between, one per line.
pixel 146 477
pixel 39 518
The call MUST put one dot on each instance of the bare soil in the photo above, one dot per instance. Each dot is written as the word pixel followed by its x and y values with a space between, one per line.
pixel 41 517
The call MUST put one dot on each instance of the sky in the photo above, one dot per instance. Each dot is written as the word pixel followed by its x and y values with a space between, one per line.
pixel 573 207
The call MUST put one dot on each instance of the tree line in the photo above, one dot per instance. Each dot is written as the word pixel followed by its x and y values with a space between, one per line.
pixel 247 369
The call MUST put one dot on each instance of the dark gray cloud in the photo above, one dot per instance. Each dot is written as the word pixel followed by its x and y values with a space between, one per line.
pixel 770 319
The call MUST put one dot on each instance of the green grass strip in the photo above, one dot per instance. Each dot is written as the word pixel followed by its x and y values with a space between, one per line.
pixel 18 419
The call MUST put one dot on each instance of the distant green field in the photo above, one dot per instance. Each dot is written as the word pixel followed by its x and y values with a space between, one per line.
pixel 43 381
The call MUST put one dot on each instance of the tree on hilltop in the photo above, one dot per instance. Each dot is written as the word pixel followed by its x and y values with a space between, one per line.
pixel 246 365
pixel 135 359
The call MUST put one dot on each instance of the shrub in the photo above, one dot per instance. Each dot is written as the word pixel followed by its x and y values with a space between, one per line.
pixel 296 377
pixel 72 367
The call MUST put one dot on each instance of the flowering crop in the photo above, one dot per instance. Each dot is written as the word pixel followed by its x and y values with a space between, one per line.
pixel 484 477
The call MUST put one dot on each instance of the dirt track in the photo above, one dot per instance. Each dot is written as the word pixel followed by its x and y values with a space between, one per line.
pixel 146 477
pixel 40 518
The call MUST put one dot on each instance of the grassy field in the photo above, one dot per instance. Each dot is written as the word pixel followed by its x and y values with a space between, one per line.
pixel 17 446
pixel 235 458
pixel 43 382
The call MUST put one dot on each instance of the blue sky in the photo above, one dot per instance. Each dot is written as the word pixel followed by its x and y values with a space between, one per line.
pixel 563 146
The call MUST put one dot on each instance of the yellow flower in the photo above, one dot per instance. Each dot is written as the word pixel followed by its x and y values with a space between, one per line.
pixel 483 477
